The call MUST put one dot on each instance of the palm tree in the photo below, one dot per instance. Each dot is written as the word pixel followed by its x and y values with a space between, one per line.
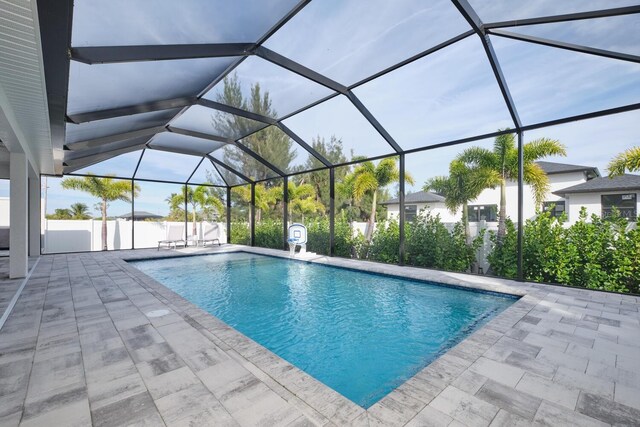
pixel 63 213
pixel 626 161
pixel 503 161
pixel 105 189
pixel 368 178
pixel 201 197
pixel 461 186
pixel 209 201
pixel 266 198
pixel 303 200
pixel 79 211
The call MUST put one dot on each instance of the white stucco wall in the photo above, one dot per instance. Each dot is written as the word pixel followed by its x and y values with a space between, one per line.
pixel 556 182
pixel 593 203
pixel 433 208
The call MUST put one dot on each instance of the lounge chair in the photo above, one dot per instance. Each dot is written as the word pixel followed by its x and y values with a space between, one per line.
pixel 175 236
pixel 211 234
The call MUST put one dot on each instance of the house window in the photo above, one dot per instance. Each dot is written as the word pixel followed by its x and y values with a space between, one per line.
pixel 487 213
pixel 625 203
pixel 410 212
pixel 556 208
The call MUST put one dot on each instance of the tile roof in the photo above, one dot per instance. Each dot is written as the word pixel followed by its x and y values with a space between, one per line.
pixel 553 168
pixel 603 183
pixel 418 197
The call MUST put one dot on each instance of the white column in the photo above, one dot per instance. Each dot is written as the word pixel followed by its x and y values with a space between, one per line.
pixel 18 260
pixel 34 216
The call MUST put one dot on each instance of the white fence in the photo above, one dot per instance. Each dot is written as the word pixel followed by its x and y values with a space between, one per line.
pixel 79 236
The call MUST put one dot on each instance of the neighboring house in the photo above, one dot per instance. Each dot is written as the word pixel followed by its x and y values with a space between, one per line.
pixel 140 216
pixel 600 195
pixel 416 202
pixel 485 207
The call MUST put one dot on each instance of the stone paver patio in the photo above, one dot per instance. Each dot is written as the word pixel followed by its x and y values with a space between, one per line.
pixel 94 341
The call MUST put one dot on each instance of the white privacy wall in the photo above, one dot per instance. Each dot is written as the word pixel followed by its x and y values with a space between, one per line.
pixel 79 236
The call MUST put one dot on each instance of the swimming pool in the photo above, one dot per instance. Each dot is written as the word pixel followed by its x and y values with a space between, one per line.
pixel 361 334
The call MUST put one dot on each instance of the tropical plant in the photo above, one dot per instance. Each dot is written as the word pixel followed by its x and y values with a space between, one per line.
pixel 503 161
pixel 265 197
pixel 303 200
pixel 463 185
pixel 209 201
pixel 200 197
pixel 106 190
pixel 63 213
pixel 369 179
pixel 79 211
pixel 627 161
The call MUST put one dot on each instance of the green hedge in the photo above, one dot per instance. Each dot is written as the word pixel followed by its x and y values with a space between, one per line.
pixel 428 243
pixel 240 234
pixel 593 253
pixel 269 234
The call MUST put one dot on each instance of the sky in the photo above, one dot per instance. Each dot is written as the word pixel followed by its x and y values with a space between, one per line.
pixel 448 95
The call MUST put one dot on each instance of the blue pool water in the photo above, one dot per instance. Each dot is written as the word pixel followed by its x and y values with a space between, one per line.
pixel 361 334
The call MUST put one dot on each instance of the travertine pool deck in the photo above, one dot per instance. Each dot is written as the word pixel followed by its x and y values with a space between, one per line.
pixel 85 345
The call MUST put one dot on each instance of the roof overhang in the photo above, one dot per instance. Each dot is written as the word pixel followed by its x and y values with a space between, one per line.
pixel 24 108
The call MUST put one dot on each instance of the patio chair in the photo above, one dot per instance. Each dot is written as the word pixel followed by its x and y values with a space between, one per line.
pixel 175 236
pixel 211 234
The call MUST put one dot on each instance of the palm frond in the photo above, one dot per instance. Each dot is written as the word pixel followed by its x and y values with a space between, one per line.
pixel 477 157
pixel 538 180
pixel 408 178
pixel 541 148
pixel 437 184
pixel 387 171
pixel 364 183
pixel 446 186
pixel 628 161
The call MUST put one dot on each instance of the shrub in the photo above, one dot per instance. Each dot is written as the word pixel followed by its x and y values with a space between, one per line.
pixel 384 244
pixel 318 236
pixel 593 253
pixel 605 254
pixel 269 234
pixel 343 237
pixel 430 244
pixel 240 233
pixel 503 258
